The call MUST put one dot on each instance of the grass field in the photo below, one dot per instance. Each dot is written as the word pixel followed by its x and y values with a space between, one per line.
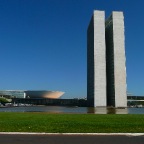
pixel 70 123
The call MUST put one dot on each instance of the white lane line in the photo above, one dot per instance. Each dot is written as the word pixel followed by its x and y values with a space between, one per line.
pixel 106 134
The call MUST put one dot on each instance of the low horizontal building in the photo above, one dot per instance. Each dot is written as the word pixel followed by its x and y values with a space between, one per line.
pixel 31 94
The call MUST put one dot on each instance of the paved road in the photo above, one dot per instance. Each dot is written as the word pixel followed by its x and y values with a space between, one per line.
pixel 69 139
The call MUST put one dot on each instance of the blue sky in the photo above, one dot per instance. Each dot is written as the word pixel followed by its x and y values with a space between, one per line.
pixel 43 44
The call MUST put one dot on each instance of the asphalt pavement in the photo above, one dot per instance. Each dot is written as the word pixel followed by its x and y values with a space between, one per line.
pixel 69 139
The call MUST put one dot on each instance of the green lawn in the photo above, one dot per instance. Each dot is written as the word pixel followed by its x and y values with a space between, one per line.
pixel 70 123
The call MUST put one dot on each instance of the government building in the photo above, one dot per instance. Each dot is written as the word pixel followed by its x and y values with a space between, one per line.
pixel 106 61
pixel 31 94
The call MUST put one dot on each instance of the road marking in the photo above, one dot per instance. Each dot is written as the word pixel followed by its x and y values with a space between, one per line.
pixel 106 134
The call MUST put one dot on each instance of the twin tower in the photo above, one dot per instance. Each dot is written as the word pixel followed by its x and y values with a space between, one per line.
pixel 106 70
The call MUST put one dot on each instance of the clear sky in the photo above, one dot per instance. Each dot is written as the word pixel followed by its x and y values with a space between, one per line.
pixel 43 44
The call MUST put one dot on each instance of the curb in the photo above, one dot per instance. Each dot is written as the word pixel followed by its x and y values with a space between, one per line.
pixel 92 134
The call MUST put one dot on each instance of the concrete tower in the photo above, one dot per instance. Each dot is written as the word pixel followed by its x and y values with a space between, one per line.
pixel 96 60
pixel 106 70
pixel 115 60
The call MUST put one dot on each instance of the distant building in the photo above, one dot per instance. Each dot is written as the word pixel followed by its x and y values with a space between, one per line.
pixel 33 94
pixel 106 72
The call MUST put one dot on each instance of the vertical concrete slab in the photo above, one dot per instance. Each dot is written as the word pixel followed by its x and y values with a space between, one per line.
pixel 96 60
pixel 119 59
pixel 99 59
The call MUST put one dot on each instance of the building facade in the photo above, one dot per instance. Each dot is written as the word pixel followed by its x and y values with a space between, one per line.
pixel 33 94
pixel 115 60
pixel 106 72
pixel 96 60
